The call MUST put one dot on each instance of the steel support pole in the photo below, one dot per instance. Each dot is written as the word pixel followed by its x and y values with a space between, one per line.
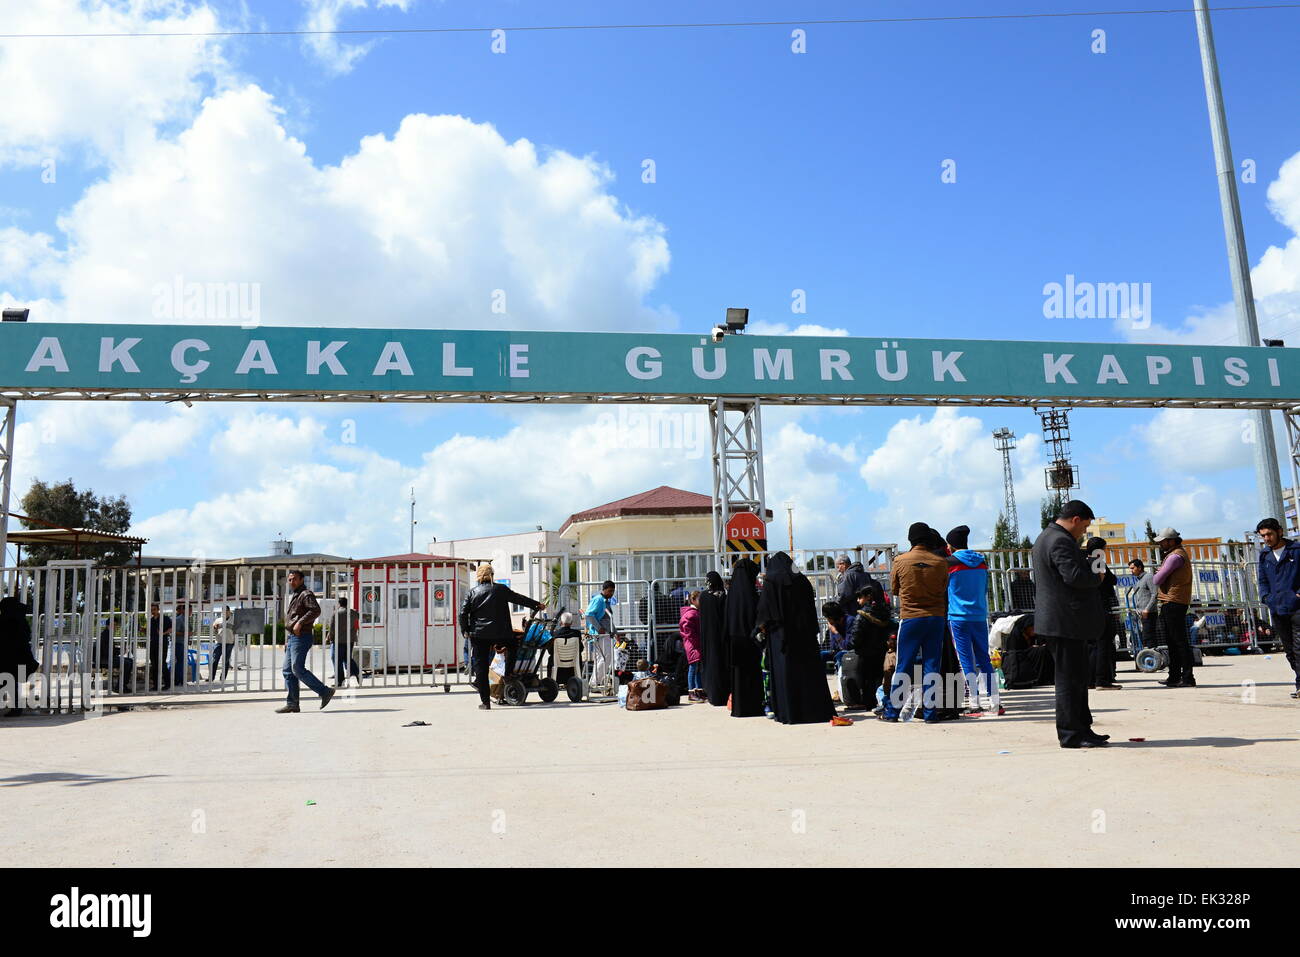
pixel 8 425
pixel 1266 466
pixel 1290 420
pixel 737 462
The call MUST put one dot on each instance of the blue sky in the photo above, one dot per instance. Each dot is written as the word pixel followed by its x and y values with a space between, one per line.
pixel 774 171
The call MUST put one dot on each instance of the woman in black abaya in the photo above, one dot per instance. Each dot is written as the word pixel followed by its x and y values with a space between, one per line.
pixel 746 656
pixel 713 633
pixel 787 610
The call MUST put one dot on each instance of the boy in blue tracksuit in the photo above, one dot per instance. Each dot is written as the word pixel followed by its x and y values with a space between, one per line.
pixel 968 618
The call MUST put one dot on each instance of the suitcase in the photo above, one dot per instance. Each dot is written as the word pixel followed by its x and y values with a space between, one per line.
pixel 647 694
pixel 852 694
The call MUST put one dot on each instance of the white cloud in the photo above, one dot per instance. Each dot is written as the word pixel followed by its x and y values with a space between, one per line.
pixel 336 55
pixel 764 327
pixel 1198 440
pixel 1195 509
pixel 1275 280
pixel 945 471
pixel 438 225
pixel 108 94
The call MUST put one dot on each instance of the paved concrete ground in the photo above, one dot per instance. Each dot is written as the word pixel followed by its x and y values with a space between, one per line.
pixel 224 781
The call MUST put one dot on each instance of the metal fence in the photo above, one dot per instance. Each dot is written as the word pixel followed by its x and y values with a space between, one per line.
pixel 1225 611
pixel 103 632
pixel 651 587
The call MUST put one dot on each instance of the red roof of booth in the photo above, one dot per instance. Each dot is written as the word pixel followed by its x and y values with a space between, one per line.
pixel 411 558
pixel 664 500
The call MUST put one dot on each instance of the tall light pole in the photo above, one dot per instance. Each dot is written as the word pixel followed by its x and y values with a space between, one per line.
pixel 1243 296
pixel 412 519
pixel 789 518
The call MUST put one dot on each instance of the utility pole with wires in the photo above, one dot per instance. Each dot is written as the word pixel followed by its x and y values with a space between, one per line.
pixel 413 523
pixel 1243 295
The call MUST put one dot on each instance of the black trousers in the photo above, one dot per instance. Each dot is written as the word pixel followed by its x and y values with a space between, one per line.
pixel 344 663
pixel 483 654
pixel 1101 655
pixel 1173 622
pixel 219 651
pixel 1284 630
pixel 1073 717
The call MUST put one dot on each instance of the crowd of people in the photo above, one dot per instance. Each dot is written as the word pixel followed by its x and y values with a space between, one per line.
pixel 753 644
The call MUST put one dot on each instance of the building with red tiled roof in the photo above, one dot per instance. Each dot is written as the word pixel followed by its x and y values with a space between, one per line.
pixel 663 519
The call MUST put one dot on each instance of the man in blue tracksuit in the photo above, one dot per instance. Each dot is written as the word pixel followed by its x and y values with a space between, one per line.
pixel 1279 580
pixel 968 618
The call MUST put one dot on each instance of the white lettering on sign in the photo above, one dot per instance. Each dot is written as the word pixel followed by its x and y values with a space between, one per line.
pixel 643 362
pixel 48 353
pixel 1056 365
pixel 257 356
pixel 449 366
pixel 748 531
pixel 317 357
pixel 190 371
pixel 393 359
pixel 110 355
pixel 518 361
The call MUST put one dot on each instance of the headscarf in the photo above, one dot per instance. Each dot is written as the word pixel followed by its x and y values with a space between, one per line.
pixel 788 601
pixel 742 599
pixel 715 582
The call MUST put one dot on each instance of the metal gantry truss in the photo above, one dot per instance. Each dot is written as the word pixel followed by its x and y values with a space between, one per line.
pixel 736 429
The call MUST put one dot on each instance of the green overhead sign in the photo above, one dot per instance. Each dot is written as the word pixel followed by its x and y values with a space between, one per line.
pixel 52 360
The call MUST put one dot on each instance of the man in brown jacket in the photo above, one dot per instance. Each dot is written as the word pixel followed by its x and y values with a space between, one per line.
pixel 301 614
pixel 1174 594
pixel 918 582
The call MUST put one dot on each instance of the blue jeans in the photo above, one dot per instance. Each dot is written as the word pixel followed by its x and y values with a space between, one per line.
pixel 295 668
pixel 694 677
pixel 972 641
pixel 925 634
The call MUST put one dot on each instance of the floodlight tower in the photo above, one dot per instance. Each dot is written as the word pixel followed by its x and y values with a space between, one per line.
pixel 1060 475
pixel 1005 440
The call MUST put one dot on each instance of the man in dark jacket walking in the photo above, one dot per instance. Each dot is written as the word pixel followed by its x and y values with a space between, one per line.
pixel 485 618
pixel 1279 580
pixel 299 617
pixel 1067 612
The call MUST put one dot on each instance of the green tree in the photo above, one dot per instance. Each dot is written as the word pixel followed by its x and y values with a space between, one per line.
pixel 61 504
pixel 1027 543
pixel 1002 533
pixel 1047 510
pixel 1150 532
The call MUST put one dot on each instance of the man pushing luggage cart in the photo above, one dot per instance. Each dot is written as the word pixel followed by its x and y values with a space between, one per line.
pixel 600 639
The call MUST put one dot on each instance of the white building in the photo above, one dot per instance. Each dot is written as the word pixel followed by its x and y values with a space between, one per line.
pixel 510 555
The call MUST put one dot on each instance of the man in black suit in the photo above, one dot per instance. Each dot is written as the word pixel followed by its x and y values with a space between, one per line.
pixel 1067 611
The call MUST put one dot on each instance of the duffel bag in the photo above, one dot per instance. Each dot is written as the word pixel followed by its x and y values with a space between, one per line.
pixel 646 694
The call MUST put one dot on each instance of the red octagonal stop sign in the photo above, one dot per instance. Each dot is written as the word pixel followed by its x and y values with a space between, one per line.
pixel 745 525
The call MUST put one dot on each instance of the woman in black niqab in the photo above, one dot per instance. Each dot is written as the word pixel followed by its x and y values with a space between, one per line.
pixel 746 656
pixel 713 634
pixel 787 612
pixel 16 659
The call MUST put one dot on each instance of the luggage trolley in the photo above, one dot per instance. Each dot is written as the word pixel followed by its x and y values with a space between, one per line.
pixel 524 678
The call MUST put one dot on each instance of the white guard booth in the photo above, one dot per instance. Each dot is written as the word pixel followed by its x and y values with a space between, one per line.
pixel 408 608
